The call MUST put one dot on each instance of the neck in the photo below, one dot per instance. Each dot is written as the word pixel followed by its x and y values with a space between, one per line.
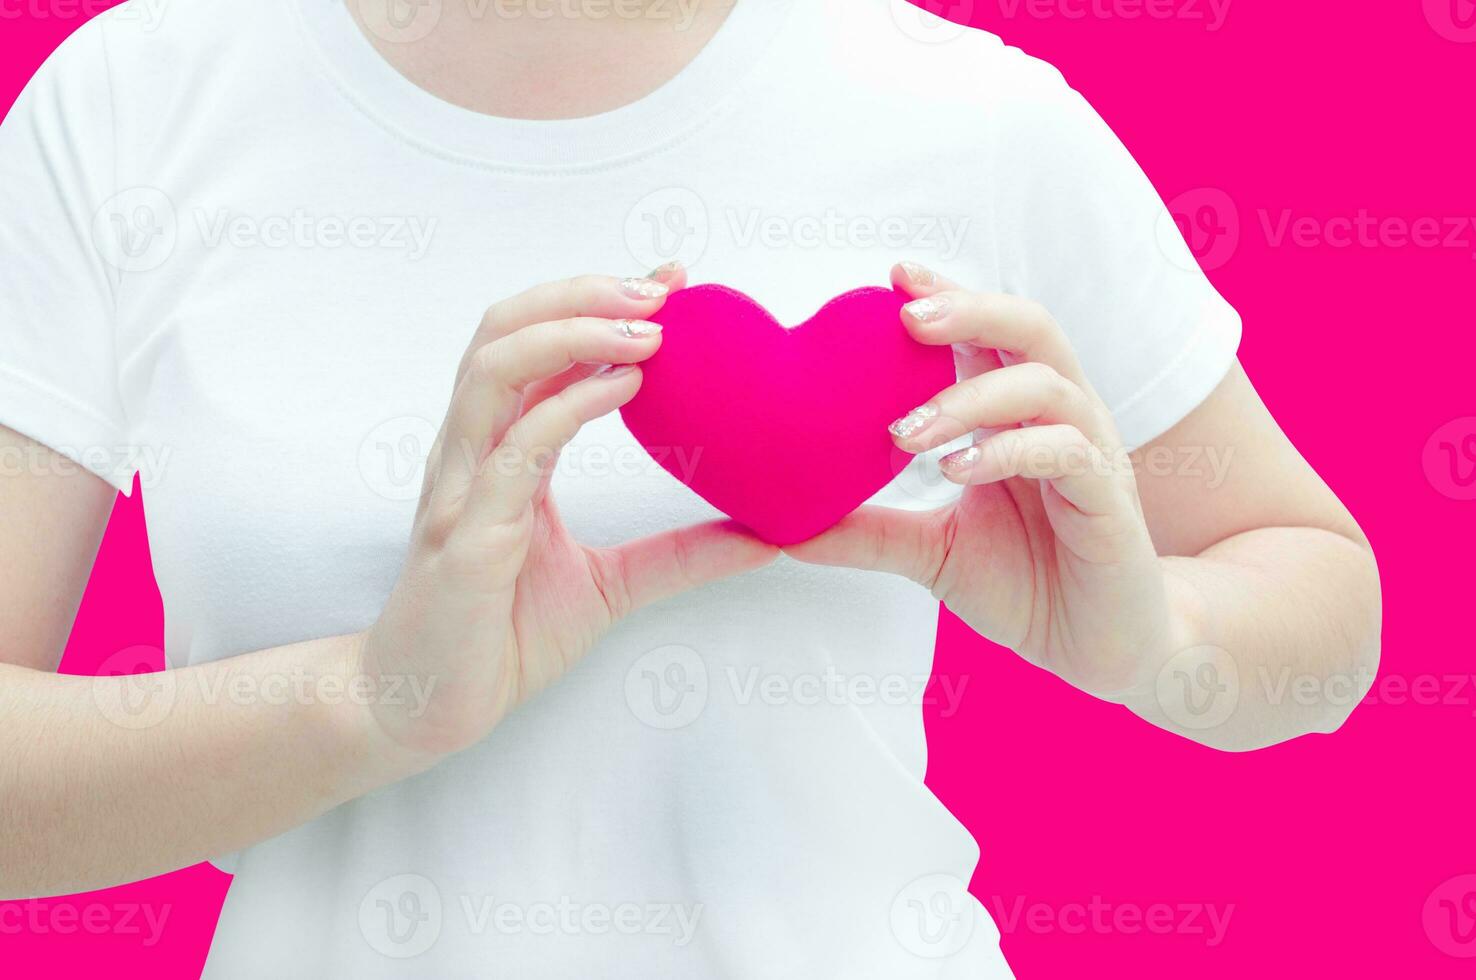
pixel 540 59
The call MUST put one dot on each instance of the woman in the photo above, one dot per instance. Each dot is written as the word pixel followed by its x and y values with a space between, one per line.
pixel 540 715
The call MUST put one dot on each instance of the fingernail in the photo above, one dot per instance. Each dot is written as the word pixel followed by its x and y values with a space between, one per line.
pixel 664 269
pixel 635 329
pixel 613 370
pixel 913 422
pixel 961 461
pixel 918 274
pixel 929 310
pixel 643 288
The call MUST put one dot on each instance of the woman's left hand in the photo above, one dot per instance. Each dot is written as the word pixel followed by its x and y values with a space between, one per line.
pixel 1046 552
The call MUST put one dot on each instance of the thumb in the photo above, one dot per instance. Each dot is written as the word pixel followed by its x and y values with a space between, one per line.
pixel 667 564
pixel 880 539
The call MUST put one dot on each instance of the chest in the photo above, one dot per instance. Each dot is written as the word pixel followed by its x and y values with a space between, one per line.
pixel 286 369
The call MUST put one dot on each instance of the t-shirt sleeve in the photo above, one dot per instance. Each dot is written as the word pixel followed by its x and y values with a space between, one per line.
pixel 58 365
pixel 1082 231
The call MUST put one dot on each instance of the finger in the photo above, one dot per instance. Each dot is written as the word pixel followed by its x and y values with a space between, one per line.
pixel 544 350
pixel 880 539
pixel 490 395
pixel 582 296
pixel 664 565
pixel 672 274
pixel 510 476
pixel 1019 328
pixel 1029 393
pixel 919 281
pixel 599 296
pixel 584 367
pixel 1087 478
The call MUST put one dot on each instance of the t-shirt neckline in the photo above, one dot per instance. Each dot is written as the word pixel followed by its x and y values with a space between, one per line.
pixel 664 116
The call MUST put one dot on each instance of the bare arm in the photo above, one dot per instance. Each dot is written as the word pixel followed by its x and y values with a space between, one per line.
pixel 1275 588
pixel 91 794
pixel 1212 583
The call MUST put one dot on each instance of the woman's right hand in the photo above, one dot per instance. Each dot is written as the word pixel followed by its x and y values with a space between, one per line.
pixel 496 600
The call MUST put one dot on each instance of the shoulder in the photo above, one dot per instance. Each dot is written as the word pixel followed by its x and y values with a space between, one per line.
pixel 161 67
pixel 182 39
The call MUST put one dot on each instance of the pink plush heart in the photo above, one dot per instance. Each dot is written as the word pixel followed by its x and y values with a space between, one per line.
pixel 784 430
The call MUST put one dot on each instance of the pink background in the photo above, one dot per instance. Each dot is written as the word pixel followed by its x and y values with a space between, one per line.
pixel 1329 848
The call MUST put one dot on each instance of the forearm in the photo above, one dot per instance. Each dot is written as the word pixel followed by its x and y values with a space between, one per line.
pixel 1276 634
pixel 97 790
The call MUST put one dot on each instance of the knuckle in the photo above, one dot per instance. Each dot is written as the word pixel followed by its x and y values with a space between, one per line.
pixel 436 529
pixel 503 461
pixel 972 397
pixel 1075 440
pixel 485 365
pixel 515 450
pixel 579 289
pixel 567 332
pixel 1046 382
pixel 535 453
pixel 1081 406
pixel 564 418
pixel 491 317
pixel 1036 317
pixel 1062 391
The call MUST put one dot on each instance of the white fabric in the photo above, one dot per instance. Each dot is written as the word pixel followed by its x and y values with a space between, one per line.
pixel 241 256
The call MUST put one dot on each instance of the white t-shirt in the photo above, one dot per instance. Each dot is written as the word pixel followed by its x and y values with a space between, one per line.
pixel 241 256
